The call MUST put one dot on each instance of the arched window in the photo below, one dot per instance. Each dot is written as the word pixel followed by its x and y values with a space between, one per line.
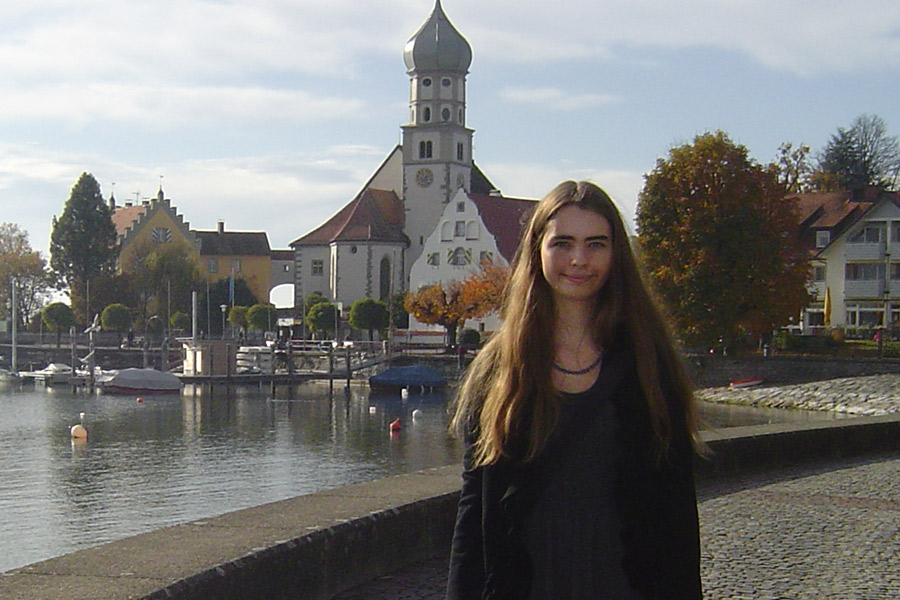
pixel 427 114
pixel 384 291
pixel 425 149
pixel 459 256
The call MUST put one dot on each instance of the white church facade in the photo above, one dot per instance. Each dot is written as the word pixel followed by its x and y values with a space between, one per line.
pixel 428 214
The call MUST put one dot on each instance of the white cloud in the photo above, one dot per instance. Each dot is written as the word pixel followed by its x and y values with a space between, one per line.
pixel 556 99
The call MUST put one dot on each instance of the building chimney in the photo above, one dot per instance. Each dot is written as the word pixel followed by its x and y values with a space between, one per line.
pixel 221 226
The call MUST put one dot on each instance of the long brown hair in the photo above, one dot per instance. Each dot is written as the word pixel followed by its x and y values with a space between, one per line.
pixel 507 394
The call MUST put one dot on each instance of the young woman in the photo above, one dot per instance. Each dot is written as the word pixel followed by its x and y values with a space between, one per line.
pixel 580 428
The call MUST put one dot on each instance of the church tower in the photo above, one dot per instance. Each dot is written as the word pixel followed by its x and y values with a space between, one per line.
pixel 437 145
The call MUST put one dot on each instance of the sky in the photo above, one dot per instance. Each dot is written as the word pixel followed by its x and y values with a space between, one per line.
pixel 271 115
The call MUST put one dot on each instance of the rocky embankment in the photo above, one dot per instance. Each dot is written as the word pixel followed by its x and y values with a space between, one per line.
pixel 870 395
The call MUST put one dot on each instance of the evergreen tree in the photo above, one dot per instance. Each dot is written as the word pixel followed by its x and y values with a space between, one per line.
pixel 83 239
pixel 861 156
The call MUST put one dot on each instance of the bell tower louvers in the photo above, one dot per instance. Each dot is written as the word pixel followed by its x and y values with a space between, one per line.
pixel 437 145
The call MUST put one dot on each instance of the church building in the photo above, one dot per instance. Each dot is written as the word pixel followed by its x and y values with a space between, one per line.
pixel 428 214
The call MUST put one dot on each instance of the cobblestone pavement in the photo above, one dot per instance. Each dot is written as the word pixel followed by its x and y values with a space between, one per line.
pixel 869 395
pixel 820 532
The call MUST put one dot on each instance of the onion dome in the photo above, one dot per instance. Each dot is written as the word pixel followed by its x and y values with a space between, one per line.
pixel 437 46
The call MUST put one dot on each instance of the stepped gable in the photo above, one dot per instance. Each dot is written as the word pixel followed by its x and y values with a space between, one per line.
pixel 373 216
pixel 129 220
pixel 504 218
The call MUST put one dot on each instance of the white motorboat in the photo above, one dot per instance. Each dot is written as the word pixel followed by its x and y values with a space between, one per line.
pixel 52 374
pixel 7 376
pixel 138 381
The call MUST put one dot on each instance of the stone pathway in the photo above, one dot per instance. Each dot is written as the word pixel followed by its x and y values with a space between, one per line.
pixel 819 532
pixel 871 395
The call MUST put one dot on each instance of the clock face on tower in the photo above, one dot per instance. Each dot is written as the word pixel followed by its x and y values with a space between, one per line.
pixel 424 177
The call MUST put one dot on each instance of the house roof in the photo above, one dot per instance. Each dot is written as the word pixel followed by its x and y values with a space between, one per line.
pixel 826 210
pixel 283 255
pixel 124 216
pixel 504 218
pixel 233 243
pixel 373 216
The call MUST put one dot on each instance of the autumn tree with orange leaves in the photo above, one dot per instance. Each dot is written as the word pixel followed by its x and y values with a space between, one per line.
pixel 451 304
pixel 720 242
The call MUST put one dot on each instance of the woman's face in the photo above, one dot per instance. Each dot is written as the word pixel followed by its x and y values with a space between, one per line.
pixel 576 254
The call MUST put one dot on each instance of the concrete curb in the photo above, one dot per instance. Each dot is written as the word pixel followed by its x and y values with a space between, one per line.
pixel 318 545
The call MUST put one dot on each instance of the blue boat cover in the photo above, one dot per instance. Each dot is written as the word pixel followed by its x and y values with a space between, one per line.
pixel 408 376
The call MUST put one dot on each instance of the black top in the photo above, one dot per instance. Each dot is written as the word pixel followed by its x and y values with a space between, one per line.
pixel 572 533
pixel 653 497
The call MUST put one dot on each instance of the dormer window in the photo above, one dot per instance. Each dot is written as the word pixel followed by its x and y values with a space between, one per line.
pixel 823 237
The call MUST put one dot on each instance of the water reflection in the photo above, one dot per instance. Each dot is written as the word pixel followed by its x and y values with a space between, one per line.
pixel 171 459
pixel 162 460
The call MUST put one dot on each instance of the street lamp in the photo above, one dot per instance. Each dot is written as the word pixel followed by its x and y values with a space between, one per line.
pixel 224 307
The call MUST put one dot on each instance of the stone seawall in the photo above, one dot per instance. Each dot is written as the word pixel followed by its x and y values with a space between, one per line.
pixel 313 547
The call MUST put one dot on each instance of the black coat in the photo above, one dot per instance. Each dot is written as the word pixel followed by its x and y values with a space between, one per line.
pixel 655 500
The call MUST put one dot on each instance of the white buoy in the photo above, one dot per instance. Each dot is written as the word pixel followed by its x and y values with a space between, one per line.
pixel 417 414
pixel 79 432
pixel 404 393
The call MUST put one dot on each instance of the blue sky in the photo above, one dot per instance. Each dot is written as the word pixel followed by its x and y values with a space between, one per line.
pixel 270 115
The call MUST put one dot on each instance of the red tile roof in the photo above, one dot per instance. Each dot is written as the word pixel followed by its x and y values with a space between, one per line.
pixel 124 216
pixel 373 216
pixel 504 218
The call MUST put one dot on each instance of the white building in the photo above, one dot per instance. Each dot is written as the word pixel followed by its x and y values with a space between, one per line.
pixel 395 234
pixel 855 246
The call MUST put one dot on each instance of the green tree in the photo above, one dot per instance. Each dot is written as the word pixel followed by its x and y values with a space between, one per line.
pixel 720 242
pixel 399 314
pixel 862 155
pixel 237 317
pixel 163 278
pixel 116 317
pixel 180 321
pixel 58 317
pixel 211 298
pixel 26 270
pixel 263 317
pixel 83 239
pixel 321 318
pixel 370 315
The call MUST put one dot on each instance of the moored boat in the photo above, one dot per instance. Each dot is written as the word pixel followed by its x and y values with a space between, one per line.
pixel 408 376
pixel 139 381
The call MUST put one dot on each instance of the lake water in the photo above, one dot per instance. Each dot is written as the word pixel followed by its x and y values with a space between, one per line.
pixel 172 459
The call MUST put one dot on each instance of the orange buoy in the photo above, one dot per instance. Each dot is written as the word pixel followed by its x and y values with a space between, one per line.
pixel 139 400
pixel 395 425
pixel 79 432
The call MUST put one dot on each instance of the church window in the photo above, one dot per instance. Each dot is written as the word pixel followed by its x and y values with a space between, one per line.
pixel 486 257
pixel 460 116
pixel 446 231
pixel 445 114
pixel 460 207
pixel 460 230
pixel 433 259
pixel 425 149
pixel 472 230
pixel 445 82
pixel 427 114
pixel 318 267
pixel 459 256
pixel 460 151
pixel 426 82
pixel 212 265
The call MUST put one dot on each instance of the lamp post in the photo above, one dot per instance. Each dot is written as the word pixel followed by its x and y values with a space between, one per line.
pixel 224 307
pixel 338 307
